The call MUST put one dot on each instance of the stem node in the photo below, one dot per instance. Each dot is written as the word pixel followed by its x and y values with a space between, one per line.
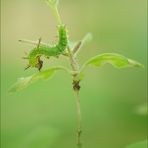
pixel 76 85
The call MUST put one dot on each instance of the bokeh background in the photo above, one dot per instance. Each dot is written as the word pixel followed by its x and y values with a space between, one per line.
pixel 113 101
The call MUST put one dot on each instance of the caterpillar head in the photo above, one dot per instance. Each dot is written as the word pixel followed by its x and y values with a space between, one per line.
pixel 34 58
pixel 39 64
pixel 34 62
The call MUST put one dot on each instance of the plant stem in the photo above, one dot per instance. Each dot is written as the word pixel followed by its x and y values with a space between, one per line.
pixel 76 79
pixel 76 88
pixel 57 16
pixel 79 132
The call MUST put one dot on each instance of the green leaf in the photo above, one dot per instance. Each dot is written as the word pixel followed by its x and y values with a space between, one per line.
pixel 26 81
pixel 114 59
pixel 52 3
pixel 142 144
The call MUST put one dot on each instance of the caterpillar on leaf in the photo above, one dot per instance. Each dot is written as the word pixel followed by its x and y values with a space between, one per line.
pixel 47 51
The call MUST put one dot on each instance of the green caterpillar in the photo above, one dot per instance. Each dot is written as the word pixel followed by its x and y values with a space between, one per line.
pixel 43 50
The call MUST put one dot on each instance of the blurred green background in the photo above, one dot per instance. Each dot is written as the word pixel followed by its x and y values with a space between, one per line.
pixel 112 100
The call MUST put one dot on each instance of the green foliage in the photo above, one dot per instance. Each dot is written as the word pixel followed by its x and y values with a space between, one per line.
pixel 52 3
pixel 142 144
pixel 115 59
pixel 26 81
pixel 69 50
pixel 61 47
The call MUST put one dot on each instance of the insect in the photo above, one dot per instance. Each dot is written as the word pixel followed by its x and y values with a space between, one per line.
pixel 35 54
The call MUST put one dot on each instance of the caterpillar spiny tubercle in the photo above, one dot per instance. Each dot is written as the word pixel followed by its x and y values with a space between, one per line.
pixel 43 50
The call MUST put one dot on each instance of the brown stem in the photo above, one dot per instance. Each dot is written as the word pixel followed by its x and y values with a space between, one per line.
pixel 76 88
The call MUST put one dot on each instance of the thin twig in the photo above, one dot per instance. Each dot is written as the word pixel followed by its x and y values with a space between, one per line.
pixel 39 42
pixel 32 42
pixel 57 15
pixel 77 47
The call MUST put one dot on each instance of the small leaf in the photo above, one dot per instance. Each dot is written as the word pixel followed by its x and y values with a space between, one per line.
pixel 25 82
pixel 76 46
pixel 52 3
pixel 142 144
pixel 116 60
pixel 87 38
pixel 72 44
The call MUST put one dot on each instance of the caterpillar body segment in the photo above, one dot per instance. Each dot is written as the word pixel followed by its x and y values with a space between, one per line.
pixel 47 51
